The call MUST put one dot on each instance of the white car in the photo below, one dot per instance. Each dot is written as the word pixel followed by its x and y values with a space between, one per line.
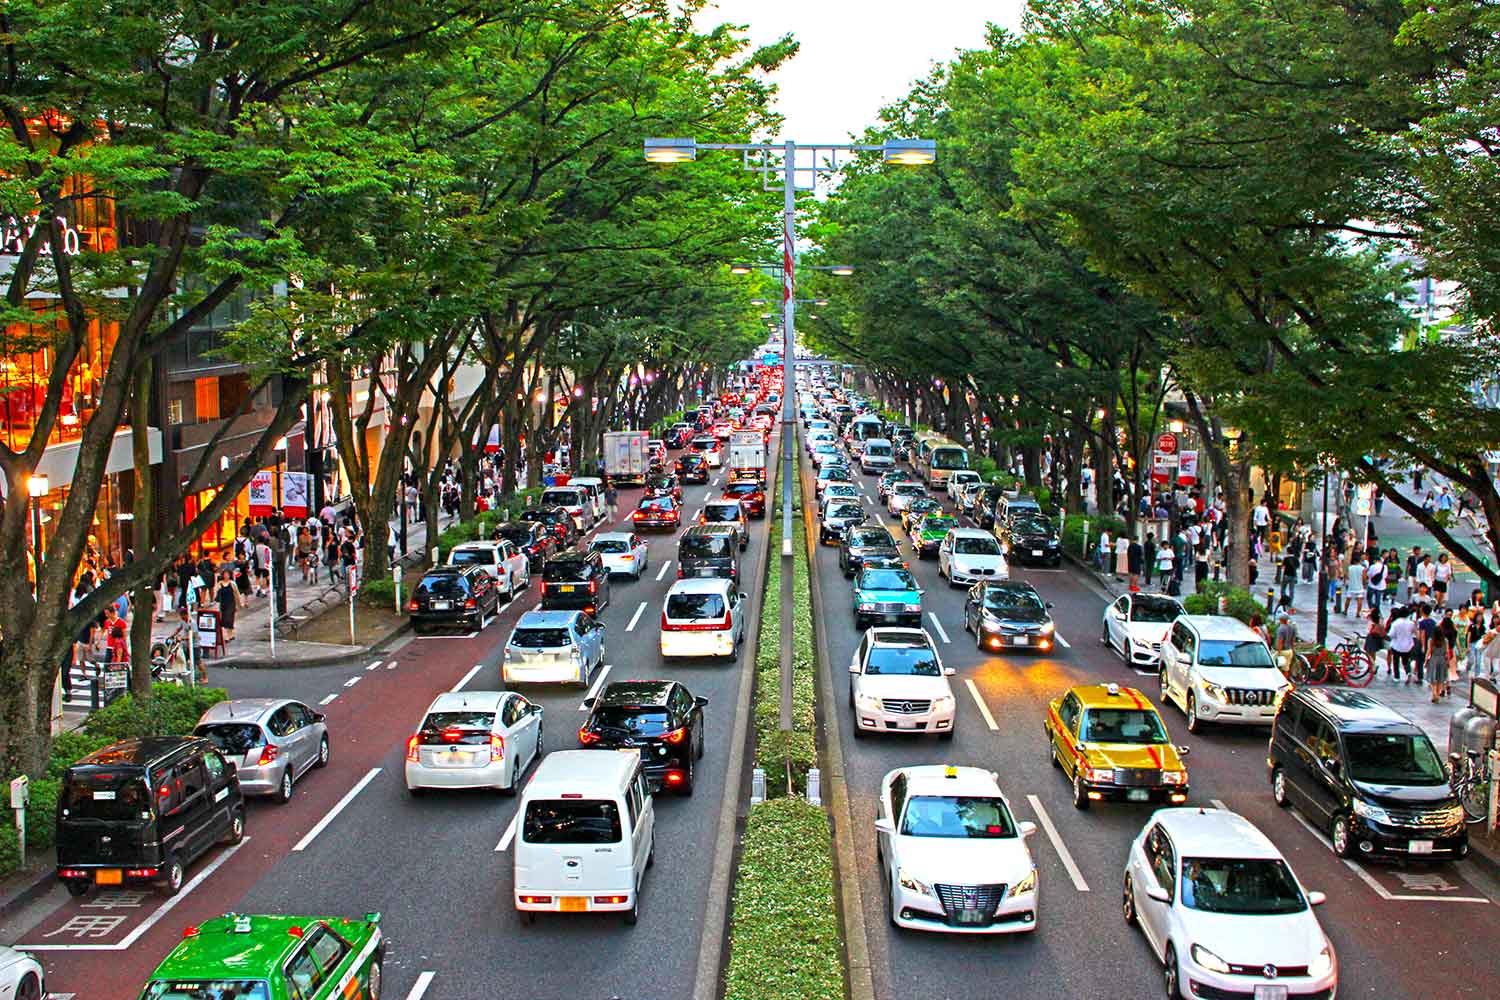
pixel 506 564
pixel 815 438
pixel 953 855
pixel 576 500
pixel 958 479
pixel 624 552
pixel 898 684
pixel 1223 911
pixel 21 975
pixel 474 739
pixel 968 555
pixel 702 616
pixel 901 494
pixel 844 491
pixel 595 487
pixel 1216 669
pixel 1135 626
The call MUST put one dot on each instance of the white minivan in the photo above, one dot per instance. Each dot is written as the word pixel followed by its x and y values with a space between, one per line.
pixel 586 835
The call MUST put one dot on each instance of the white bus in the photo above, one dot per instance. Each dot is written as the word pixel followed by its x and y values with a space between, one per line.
pixel 935 458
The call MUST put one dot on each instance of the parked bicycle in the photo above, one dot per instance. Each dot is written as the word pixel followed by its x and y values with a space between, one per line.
pixel 1347 662
pixel 1471 783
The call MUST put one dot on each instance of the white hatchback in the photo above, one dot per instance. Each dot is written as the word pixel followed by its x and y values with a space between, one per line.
pixel 702 616
pixel 506 564
pixel 474 739
pixel 624 552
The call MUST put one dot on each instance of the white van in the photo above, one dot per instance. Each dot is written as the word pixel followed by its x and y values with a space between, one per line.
pixel 595 487
pixel 586 835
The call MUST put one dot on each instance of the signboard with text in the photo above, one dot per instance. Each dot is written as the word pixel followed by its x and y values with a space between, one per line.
pixel 294 493
pixel 1187 468
pixel 262 493
pixel 1167 444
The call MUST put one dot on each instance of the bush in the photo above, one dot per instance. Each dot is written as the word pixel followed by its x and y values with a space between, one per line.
pixel 171 710
pixel 455 534
pixel 1072 533
pixel 1240 603
pixel 378 593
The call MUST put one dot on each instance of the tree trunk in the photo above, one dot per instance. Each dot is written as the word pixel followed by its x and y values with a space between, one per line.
pixel 143 603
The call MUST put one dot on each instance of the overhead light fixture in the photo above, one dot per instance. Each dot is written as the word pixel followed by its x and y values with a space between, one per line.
pixel 1176 426
pixel 740 268
pixel 910 152
pixel 842 270
pixel 678 150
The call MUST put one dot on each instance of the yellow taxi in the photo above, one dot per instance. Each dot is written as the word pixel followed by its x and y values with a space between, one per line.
pixel 1112 744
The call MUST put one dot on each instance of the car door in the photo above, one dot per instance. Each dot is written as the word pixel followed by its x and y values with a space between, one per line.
pixel 592 631
pixel 737 627
pixel 1066 733
pixel 643 831
pixel 291 733
pixel 195 804
pixel 220 792
pixel 890 808
pixel 521 724
pixel 945 554
pixel 1154 914
pixel 971 606
pixel 1115 619
pixel 310 732
pixel 1321 788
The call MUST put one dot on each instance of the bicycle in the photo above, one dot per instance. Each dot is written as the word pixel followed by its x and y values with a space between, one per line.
pixel 1471 783
pixel 1348 661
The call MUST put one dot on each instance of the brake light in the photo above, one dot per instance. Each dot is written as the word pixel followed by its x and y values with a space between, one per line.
pixel 497 748
pixel 268 753
pixel 471 603
pixel 585 737
pixel 452 735
pixel 593 586
pixel 674 777
pixel 611 900
pixel 411 750
pixel 677 735
pixel 536 900
pixel 411 605
pixel 140 873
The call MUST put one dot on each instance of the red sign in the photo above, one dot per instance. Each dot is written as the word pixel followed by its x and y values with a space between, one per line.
pixel 1167 444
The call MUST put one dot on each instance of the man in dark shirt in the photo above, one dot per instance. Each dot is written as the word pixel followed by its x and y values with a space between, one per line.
pixel 1426 626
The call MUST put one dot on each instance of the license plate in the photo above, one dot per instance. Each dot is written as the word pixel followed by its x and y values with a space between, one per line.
pixel 566 588
pixel 970 917
pixel 1270 993
pixel 1419 846
pixel 441 605
pixel 1137 795
pixel 454 758
pixel 580 904
pixel 1021 640
pixel 109 876
pixel 1036 553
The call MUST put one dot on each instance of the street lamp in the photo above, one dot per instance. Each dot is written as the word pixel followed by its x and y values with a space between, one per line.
pixel 37 486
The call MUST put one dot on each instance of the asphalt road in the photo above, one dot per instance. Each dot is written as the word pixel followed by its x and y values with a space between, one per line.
pixel 1434 945
pixel 432 865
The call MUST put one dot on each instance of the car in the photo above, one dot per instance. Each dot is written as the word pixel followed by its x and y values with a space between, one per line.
pixel 984 505
pixel 463 596
pixel 553 647
pixel 661 513
pixel 558 521
pixel 1030 537
pixel 750 493
pixel 1366 775
pixel 928 534
pixel 663 484
pixel 917 509
pixel 817 437
pixel 841 491
pixel 532 538
pixel 576 500
pixel 1135 626
pixel 692 468
pixel 724 428
pixel 875 455
pixel 21 975
pixel 884 483
pixel 830 473
pixel 1222 910
pixel 958 479
pixel 705 616
pixel 707 445
pixel 837 517
pixel 898 684
pixel 659 718
pixel 594 487
pixel 474 739
pixel 861 540
pixel 888 596
pixel 272 742
pixel 624 552
pixel 825 451
pixel 1008 614
pixel 576 580
pixel 505 564
pixel 709 550
pixel 272 957
pixel 727 512
pixel 1110 743
pixel 902 494
pixel 968 555
pixel 1217 669
pixel 952 855
pixel 968 498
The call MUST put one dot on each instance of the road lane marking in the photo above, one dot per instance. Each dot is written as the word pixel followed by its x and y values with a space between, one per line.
pixel 663 571
pixel 1219 804
pixel 333 813
pixel 636 617
pixel 352 681
pixel 880 519
pixel 450 635
pixel 468 676
pixel 328 699
pixel 594 690
pixel 419 988
pixel 1061 641
pixel 984 710
pixel 1057 842
pixel 509 834
pixel 939 626
pixel 696 513
pixel 391 665
pixel 1371 881
pixel 372 666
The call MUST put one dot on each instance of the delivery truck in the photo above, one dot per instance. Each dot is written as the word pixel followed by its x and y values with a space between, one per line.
pixel 626 457
pixel 747 453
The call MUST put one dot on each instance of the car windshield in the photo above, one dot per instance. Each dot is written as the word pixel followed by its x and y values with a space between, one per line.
pixel 571 821
pixel 938 524
pixel 630 720
pixel 878 450
pixel 562 498
pixel 1012 599
pixel 845 510
pixel 565 571
pixel 540 638
pixel 471 557
pixel 1234 653
pixel 1030 524
pixel 464 718
pixel 721 512
pixel 1240 885
pixel 886 579
pixel 976 545
pixel 1393 759
pixel 680 606
pixel 865 537
pixel 232 737
pixel 949 458
pixel 206 989
pixel 907 489
pixel 902 661
pixel 742 489
pixel 823 449
pixel 611 545
pixel 1122 725
pixel 1154 609
pixel 659 503
pixel 448 585
pixel 105 795
pixel 516 533
pixel 959 816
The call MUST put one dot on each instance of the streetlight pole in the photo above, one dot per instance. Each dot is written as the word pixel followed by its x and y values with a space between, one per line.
pixel 1323 567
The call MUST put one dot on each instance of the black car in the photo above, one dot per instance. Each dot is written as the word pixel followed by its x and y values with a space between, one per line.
pixel 142 810
pixel 531 537
pixel 557 520
pixel 658 718
pixel 709 550
pixel 1008 614
pixel 663 485
pixel 1030 538
pixel 861 541
pixel 575 580
pixel 453 595
pixel 1366 775
pixel 692 468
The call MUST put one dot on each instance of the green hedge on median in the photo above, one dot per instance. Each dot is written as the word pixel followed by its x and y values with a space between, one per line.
pixel 1072 533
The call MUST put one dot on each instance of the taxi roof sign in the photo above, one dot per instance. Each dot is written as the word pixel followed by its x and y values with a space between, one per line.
pixel 950 771
pixel 1113 690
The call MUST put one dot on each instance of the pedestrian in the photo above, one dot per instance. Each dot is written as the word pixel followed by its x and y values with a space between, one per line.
pixel 1436 660
pixel 1135 562
pixel 1122 557
pixel 1164 561
pixel 1426 627
pixel 1426 573
pixel 1200 562
pixel 1403 639
pixel 1452 635
pixel 1286 634
pixel 1260 518
pixel 228 598
pixel 1289 564
pixel 1148 557
pixel 391 543
pixel 1375 582
pixel 1392 575
pixel 1374 640
pixel 306 553
pixel 1413 560
pixel 1442 575
pixel 612 501
pixel 331 555
pixel 1309 561
pixel 1102 552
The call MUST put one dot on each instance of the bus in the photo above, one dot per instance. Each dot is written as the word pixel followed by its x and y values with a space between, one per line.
pixel 935 458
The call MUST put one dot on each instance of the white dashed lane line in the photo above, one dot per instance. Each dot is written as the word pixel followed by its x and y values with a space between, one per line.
pixel 594 690
pixel 419 988
pixel 328 699
pixel 984 710
pixel 352 681
pixel 372 666
pixel 509 835
pixel 333 813
pixel 1061 641
pixel 468 676
pixel 939 627
pixel 663 571
pixel 636 617
pixel 1057 843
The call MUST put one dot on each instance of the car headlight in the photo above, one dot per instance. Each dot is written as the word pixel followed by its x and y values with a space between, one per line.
pixel 1174 777
pixel 914 607
pixel 1048 628
pixel 1207 959
pixel 869 701
pixel 1213 690
pixel 1100 774
pixel 911 884
pixel 1374 814
pixel 1027 884
pixel 943 702
pixel 866 607
pixel 1322 962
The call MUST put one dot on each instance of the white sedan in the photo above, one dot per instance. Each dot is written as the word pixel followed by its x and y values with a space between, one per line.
pixel 1222 910
pixel 953 856
pixel 474 739
pixel 969 555
pixel 958 479
pixel 624 552
pixel 21 975
pixel 1136 625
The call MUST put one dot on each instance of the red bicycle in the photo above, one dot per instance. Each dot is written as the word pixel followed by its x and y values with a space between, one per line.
pixel 1347 662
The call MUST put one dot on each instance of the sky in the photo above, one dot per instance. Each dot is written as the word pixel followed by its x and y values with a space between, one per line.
pixel 858 55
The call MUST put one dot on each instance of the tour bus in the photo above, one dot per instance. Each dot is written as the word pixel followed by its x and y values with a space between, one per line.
pixel 935 458
pixel 863 428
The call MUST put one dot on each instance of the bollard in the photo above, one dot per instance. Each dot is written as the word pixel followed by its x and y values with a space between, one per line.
pixel 757 786
pixel 814 787
pixel 435 555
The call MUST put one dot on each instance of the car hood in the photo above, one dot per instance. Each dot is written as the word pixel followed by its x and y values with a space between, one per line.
pixel 1408 796
pixel 978 561
pixel 1147 632
pixel 907 596
pixel 904 686
pixel 1260 678
pixel 1286 940
pixel 934 534
pixel 1037 617
pixel 1034 538
pixel 961 861
pixel 1158 757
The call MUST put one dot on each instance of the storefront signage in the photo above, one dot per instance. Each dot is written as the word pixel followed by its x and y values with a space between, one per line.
pixel 207 624
pixel 1167 444
pixel 15 232
pixel 1187 468
pixel 262 493
pixel 1161 467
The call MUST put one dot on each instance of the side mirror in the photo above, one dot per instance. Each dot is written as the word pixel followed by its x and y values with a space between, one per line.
pixel 1027 828
pixel 1316 899
pixel 317 716
pixel 1184 751
pixel 854 666
pixel 949 672
pixel 920 591
pixel 701 702
pixel 1049 605
pixel 588 703
pixel 744 598
pixel 885 826
pixel 1159 894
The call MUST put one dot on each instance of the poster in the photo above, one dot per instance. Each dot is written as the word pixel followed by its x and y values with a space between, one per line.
pixel 262 493
pixel 294 490
pixel 1162 465
pixel 1187 468
pixel 207 625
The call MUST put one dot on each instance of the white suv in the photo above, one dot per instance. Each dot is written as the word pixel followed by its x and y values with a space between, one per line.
pixel 1216 669
pixel 898 684
pixel 507 565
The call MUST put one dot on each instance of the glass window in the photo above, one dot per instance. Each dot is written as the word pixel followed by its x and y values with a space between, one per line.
pixel 232 737
pixel 206 989
pixel 1239 885
pixel 303 974
pixel 1011 599
pixel 898 795
pixel 886 579
pixel 104 795
pixel 704 546
pixel 1164 863
pixel 566 571
pixel 471 557
pixel 680 606
pixel 214 765
pixel 610 545
pixel 461 727
pixel 540 638
pixel 902 661
pixel 631 720
pixel 976 546
pixel 1393 759
pixel 447 585
pixel 949 458
pixel 328 949
pixel 1235 653
pixel 957 816
pixel 280 722
pixel 1123 725
pixel 571 821
pixel 1154 609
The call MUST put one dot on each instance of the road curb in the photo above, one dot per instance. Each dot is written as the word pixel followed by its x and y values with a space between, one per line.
pixel 845 860
pixel 35 887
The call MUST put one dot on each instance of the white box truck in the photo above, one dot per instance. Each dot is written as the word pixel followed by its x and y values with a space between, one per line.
pixel 626 457
pixel 747 453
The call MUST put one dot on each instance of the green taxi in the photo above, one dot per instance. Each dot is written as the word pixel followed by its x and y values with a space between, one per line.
pixel 887 594
pixel 928 533
pixel 246 957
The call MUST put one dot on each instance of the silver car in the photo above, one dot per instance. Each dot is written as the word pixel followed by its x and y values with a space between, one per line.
pixel 272 742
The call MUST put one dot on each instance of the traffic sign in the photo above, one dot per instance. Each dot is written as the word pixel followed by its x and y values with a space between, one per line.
pixel 1167 444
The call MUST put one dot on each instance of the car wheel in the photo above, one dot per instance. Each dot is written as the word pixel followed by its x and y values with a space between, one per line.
pixel 416 792
pixel 634 913
pixel 171 882
pixel 323 752
pixel 699 752
pixel 284 790
pixel 76 887
pixel 890 899
pixel 1278 788
pixel 686 791
pixel 1104 635
pixel 1165 690
pixel 1052 749
pixel 651 854
pixel 1194 724
pixel 1080 794
pixel 1343 843
pixel 1169 974
pixel 1127 903
pixel 29 988
pixel 372 981
pixel 236 832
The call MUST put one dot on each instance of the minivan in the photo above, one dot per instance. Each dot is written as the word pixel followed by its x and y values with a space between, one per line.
pixel 709 550
pixel 575 580
pixel 576 500
pixel 1365 774
pixel 1007 506
pixel 586 835
pixel 142 810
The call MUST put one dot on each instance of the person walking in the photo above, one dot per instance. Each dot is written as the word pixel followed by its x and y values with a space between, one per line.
pixel 1102 552
pixel 1122 557
pixel 1413 560
pixel 1402 633
pixel 228 597
pixel 1452 636
pixel 1375 640
pixel 1436 659
pixel 306 548
pixel 1392 576
pixel 1442 575
pixel 612 501
pixel 1289 564
pixel 1135 562
pixel 1286 634
pixel 1426 626
pixel 1375 582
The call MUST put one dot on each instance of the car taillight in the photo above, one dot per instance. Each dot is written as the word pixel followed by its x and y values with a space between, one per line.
pixel 611 900
pixel 593 586
pixel 471 603
pixel 497 748
pixel 674 777
pixel 268 753
pixel 585 737
pixel 676 735
pixel 412 605
pixel 637 515
pixel 411 750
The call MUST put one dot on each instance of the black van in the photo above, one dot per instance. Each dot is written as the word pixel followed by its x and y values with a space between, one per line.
pixel 709 550
pixel 1366 774
pixel 575 580
pixel 143 810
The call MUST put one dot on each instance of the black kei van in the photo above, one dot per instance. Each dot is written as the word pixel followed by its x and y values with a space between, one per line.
pixel 709 550
pixel 1366 775
pixel 143 810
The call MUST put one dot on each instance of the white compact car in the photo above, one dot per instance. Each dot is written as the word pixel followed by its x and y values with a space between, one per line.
pixel 595 487
pixel 507 565
pixel 898 684
pixel 1223 911
pixel 968 555
pixel 953 856
pixel 576 500
pixel 958 479
pixel 1136 625
pixel 474 739
pixel 21 975
pixel 1217 670
pixel 624 552
pixel 702 616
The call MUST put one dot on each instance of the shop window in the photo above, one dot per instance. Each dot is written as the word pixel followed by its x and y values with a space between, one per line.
pixel 206 399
